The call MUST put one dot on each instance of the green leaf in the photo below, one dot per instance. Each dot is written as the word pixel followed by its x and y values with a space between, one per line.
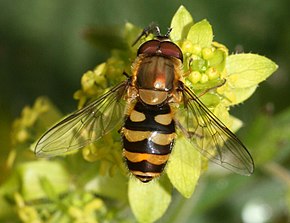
pixel 48 188
pixel 247 70
pixel 32 173
pixel 184 166
pixel 180 24
pixel 149 201
pixel 111 187
pixel 223 115
pixel 242 94
pixel 201 34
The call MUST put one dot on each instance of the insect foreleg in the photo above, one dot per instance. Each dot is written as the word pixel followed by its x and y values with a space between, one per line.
pixel 212 88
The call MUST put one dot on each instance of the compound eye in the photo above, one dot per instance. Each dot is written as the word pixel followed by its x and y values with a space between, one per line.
pixel 170 49
pixel 149 47
pixel 164 48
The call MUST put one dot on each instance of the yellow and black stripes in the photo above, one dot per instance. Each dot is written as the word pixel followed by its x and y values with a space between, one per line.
pixel 152 118
pixel 148 136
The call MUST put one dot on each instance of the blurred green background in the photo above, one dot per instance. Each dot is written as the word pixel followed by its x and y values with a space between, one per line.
pixel 43 52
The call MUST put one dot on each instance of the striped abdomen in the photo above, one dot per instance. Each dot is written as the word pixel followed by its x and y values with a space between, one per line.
pixel 148 135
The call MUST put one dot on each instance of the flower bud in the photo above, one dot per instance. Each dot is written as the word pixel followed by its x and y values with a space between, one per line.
pixel 207 53
pixel 204 78
pixel 196 49
pixel 194 77
pixel 187 47
pixel 212 73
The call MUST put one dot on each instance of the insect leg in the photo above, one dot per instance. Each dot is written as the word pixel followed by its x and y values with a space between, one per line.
pixel 188 134
pixel 126 75
pixel 212 88
pixel 151 29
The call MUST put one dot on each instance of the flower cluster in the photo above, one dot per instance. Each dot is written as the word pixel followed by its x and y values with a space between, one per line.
pixel 33 122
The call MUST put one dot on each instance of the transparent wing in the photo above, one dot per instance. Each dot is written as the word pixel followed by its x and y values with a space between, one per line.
pixel 211 137
pixel 84 126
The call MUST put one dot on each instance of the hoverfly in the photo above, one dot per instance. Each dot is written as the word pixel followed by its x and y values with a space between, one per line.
pixel 151 104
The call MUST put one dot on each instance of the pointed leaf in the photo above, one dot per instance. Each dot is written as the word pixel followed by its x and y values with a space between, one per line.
pixel 247 70
pixel 149 201
pixel 184 166
pixel 180 24
pixel 201 34
pixel 221 111
pixel 32 173
pixel 112 187
pixel 242 94
pixel 223 115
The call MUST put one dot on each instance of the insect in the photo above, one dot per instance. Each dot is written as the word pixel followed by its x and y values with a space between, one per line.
pixel 153 104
